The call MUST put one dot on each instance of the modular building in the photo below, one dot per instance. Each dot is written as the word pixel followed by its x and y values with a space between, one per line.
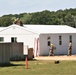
pixel 39 37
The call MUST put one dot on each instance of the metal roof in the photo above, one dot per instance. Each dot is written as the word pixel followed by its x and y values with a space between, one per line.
pixel 46 29
pixel 17 26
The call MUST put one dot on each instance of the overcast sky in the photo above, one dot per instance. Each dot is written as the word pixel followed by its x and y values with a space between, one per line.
pixel 28 6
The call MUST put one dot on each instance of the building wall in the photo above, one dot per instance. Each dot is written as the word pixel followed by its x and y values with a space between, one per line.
pixel 4 53
pixel 16 51
pixel 22 34
pixel 54 39
pixel 13 51
pixel 26 39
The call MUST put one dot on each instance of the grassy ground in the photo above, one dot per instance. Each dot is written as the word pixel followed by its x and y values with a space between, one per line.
pixel 40 68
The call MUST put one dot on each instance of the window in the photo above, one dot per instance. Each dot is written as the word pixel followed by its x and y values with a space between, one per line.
pixel 48 41
pixel 70 38
pixel 14 39
pixel 1 39
pixel 60 40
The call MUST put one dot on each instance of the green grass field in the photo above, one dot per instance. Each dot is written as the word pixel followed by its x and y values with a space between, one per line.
pixel 40 68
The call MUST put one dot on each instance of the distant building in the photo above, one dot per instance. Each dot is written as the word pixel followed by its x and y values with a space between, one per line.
pixel 39 37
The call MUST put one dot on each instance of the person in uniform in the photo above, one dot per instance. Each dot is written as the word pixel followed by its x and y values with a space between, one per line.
pixel 70 49
pixel 18 22
pixel 51 53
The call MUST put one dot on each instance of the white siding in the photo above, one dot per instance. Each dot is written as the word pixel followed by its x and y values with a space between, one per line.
pixel 22 34
pixel 60 49
pixel 26 39
pixel 27 36
pixel 74 44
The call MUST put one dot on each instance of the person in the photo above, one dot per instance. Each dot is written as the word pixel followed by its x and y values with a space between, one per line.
pixel 18 22
pixel 51 53
pixel 70 49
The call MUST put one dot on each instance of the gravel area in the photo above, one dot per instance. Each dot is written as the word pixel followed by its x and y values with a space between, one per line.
pixel 63 57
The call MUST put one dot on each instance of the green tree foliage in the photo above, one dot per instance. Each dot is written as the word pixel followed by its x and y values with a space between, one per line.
pixel 5 21
pixel 60 17
pixel 26 18
pixel 69 20
pixel 43 17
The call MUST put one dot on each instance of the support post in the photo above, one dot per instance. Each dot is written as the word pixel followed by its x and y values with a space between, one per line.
pixel 26 61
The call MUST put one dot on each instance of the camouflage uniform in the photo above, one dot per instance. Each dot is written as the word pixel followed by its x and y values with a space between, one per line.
pixel 70 49
pixel 51 53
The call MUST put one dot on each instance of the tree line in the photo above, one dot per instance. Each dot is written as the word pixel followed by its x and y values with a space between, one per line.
pixel 46 17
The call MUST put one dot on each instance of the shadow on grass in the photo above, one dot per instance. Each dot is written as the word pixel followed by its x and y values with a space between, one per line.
pixel 10 65
pixel 13 64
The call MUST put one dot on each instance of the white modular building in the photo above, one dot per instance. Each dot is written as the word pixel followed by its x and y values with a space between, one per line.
pixel 58 35
pixel 16 33
pixel 39 37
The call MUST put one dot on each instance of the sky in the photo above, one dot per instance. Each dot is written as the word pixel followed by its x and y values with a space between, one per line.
pixel 29 6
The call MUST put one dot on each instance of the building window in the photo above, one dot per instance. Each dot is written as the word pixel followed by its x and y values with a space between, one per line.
pixel 60 40
pixel 70 38
pixel 48 41
pixel 1 39
pixel 14 39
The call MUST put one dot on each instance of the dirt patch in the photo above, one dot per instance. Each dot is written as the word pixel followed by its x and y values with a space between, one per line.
pixel 63 57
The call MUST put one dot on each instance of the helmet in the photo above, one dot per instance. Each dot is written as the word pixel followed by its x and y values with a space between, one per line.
pixel 70 43
pixel 51 45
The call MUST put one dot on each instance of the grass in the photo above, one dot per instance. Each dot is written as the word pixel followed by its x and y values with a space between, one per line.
pixel 40 68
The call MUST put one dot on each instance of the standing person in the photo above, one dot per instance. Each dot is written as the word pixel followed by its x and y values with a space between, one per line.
pixel 51 53
pixel 18 22
pixel 70 49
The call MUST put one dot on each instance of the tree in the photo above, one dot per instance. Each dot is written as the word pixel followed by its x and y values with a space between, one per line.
pixel 26 18
pixel 5 21
pixel 69 20
pixel 74 21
